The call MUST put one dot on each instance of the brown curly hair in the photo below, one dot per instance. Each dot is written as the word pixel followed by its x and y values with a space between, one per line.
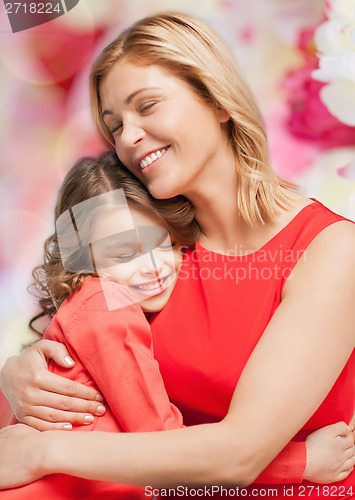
pixel 90 177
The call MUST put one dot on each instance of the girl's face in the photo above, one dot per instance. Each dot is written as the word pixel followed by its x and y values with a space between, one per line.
pixel 134 249
pixel 164 133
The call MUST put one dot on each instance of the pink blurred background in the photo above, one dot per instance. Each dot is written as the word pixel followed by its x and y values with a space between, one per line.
pixel 46 125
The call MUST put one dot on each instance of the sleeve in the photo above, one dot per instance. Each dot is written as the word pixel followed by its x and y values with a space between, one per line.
pixel 287 467
pixel 115 346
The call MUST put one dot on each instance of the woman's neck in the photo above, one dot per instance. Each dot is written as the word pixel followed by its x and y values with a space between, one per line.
pixel 219 221
pixel 224 231
pixel 216 210
pixel 214 194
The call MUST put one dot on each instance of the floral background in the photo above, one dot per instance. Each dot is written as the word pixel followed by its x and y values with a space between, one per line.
pixel 298 55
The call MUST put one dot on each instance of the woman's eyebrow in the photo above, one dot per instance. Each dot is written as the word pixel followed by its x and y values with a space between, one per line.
pixel 129 98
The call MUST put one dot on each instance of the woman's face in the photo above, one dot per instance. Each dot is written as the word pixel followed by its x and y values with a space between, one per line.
pixel 132 248
pixel 164 132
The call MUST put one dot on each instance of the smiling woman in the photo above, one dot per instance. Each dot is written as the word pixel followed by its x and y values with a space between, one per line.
pixel 256 342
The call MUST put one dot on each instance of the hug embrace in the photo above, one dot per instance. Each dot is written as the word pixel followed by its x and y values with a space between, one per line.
pixel 189 376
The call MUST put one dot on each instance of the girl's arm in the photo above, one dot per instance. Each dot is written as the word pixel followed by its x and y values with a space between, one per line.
pixel 309 338
pixel 113 348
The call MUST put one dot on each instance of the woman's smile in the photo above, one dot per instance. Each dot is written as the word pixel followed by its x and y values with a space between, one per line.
pixel 150 158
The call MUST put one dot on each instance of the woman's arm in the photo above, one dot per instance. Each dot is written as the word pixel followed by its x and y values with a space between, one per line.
pixel 309 338
pixel 42 399
pixel 122 365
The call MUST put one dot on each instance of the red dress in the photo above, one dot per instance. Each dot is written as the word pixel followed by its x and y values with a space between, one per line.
pixel 217 312
pixel 113 353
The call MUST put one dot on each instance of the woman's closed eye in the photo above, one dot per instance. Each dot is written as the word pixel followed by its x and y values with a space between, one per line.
pixel 115 127
pixel 146 107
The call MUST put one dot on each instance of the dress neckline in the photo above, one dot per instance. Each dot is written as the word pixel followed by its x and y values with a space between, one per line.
pixel 270 241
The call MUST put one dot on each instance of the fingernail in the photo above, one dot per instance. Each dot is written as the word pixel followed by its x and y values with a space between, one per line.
pixel 67 427
pixel 100 409
pixel 69 360
pixel 99 398
pixel 89 419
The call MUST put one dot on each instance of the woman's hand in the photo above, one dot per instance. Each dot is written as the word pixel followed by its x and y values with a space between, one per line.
pixel 42 399
pixel 20 456
pixel 330 454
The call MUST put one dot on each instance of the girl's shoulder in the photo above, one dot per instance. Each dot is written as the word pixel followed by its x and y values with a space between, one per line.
pixel 100 294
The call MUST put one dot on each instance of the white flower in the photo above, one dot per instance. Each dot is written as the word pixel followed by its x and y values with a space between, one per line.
pixel 340 8
pixel 334 36
pixel 335 42
pixel 332 68
pixel 339 98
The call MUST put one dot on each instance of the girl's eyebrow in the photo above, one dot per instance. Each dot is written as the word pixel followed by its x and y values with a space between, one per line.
pixel 124 238
pixel 129 98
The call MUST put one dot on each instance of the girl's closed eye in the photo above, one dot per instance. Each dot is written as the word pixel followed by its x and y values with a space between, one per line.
pixel 167 244
pixel 126 257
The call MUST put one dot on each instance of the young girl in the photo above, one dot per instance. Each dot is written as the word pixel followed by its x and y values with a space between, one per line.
pixel 111 252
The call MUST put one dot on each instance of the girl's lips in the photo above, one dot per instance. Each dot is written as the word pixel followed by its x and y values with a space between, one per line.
pixel 152 288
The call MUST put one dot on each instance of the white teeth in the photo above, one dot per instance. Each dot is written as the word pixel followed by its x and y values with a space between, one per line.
pixel 152 157
pixel 151 286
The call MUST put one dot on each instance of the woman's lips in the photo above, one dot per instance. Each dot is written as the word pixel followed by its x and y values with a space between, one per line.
pixel 152 159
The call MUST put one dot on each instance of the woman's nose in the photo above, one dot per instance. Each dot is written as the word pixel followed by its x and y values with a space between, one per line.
pixel 131 134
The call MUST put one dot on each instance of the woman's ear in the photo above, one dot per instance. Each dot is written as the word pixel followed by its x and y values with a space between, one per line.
pixel 222 115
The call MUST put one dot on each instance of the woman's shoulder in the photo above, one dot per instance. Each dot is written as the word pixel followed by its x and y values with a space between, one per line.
pixel 336 239
pixel 328 240
pixel 306 218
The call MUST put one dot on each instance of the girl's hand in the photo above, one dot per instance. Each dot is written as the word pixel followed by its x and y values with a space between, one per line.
pixel 42 399
pixel 352 424
pixel 20 456
pixel 330 454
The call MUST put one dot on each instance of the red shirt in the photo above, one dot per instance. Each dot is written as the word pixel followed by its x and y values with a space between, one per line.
pixel 112 350
pixel 217 313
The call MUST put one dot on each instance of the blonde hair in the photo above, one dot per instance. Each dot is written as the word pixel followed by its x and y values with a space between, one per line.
pixel 193 52
pixel 90 177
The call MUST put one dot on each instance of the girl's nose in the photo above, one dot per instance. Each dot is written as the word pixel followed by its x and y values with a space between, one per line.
pixel 151 264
